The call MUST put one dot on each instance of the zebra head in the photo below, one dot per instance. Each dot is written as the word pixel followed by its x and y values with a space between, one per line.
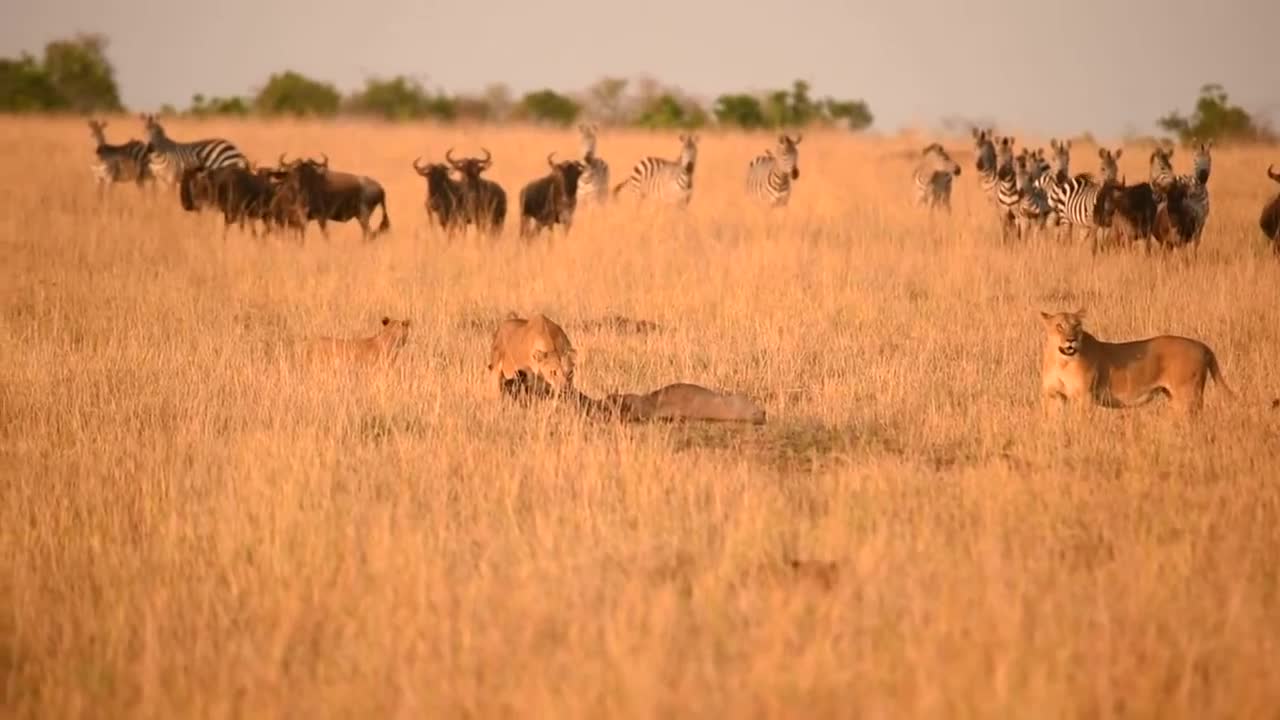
pixel 1202 162
pixel 984 149
pixel 1061 157
pixel 96 127
pixel 934 159
pixel 1004 152
pixel 688 152
pixel 1109 170
pixel 786 156
pixel 1162 167
pixel 588 133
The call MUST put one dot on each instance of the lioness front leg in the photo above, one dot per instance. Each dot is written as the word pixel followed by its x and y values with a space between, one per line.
pixel 496 380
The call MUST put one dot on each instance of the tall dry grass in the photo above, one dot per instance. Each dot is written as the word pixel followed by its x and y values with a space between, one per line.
pixel 193 527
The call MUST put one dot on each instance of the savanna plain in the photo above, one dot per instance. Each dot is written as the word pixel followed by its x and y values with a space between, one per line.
pixel 194 526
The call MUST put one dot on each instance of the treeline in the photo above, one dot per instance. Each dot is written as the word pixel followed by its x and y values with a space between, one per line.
pixel 76 75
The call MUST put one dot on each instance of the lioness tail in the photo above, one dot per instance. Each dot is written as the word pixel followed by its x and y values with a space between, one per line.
pixel 1216 373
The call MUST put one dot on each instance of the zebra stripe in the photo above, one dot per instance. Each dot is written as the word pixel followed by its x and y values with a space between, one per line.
pixel 593 185
pixel 1075 203
pixel 769 176
pixel 1109 170
pixel 985 162
pixel 932 177
pixel 1197 188
pixel 118 163
pixel 170 159
pixel 668 181
pixel 1162 175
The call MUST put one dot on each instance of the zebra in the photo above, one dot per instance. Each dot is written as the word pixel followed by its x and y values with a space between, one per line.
pixel 769 176
pixel 669 181
pixel 118 163
pixel 932 177
pixel 1075 204
pixel 1197 185
pixel 1034 209
pixel 593 185
pixel 1109 170
pixel 985 163
pixel 1162 175
pixel 1008 193
pixel 170 159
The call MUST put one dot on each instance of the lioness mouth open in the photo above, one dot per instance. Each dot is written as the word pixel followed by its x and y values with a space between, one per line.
pixel 1067 350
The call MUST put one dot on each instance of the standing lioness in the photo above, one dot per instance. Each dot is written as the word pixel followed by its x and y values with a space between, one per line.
pixel 382 347
pixel 536 345
pixel 1079 367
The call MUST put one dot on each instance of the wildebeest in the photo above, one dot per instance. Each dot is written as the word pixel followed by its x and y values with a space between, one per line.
pixel 551 199
pixel 1175 224
pixel 1270 220
pixel 118 163
pixel 444 195
pixel 311 191
pixel 484 202
pixel 1131 210
pixel 241 194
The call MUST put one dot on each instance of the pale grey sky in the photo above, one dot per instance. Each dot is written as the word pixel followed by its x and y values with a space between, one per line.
pixel 1049 66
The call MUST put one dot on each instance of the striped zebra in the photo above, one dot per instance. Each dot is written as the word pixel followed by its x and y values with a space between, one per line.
pixel 170 159
pixel 1162 174
pixel 1075 203
pixel 1008 194
pixel 985 160
pixel 1109 169
pixel 769 176
pixel 669 181
pixel 1034 210
pixel 593 185
pixel 933 176
pixel 118 163
pixel 1197 185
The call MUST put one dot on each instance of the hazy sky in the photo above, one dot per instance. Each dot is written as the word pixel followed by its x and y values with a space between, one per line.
pixel 1038 65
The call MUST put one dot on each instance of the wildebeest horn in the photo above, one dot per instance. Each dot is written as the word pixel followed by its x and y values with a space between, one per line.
pixel 325 162
pixel 1272 174
pixel 282 160
pixel 448 156
pixel 421 169
pixel 488 158
pixel 551 155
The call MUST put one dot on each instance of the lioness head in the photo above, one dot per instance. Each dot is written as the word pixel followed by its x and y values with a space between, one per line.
pixel 1065 331
pixel 396 332
pixel 553 365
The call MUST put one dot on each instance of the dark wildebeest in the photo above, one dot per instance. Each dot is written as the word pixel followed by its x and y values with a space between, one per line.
pixel 484 202
pixel 1130 210
pixel 1175 218
pixel 551 199
pixel 311 191
pixel 118 163
pixel 1270 220
pixel 444 195
pixel 241 194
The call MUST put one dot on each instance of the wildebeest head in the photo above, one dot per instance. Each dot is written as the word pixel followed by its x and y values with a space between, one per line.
pixel 470 168
pixel 569 172
pixel 436 174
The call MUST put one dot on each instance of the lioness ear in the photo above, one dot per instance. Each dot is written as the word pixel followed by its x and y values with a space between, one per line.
pixel 386 320
pixel 1080 312
pixel 1045 317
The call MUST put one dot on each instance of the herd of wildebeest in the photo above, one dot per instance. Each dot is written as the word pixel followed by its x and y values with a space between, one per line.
pixel 1028 192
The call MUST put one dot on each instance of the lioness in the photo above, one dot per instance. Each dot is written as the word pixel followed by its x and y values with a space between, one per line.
pixel 684 401
pixel 382 347
pixel 537 345
pixel 1079 367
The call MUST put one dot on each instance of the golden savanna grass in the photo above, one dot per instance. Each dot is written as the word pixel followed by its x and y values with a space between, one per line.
pixel 193 526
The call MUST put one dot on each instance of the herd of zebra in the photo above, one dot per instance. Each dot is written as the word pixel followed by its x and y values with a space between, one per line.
pixel 457 195
pixel 1028 192
pixel 1031 194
